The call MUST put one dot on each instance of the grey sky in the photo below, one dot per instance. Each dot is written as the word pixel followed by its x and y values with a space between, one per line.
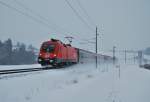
pixel 124 23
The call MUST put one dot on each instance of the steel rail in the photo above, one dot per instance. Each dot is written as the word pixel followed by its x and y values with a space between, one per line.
pixel 23 70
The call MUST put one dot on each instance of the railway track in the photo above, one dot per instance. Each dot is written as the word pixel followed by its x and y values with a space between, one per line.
pixel 2 72
pixel 12 71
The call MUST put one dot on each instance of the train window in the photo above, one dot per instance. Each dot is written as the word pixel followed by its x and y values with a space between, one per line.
pixel 48 47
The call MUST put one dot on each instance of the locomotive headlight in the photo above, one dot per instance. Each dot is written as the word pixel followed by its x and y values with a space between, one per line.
pixel 39 60
pixel 50 60
pixel 55 55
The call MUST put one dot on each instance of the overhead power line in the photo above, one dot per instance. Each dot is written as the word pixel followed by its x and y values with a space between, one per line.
pixel 77 14
pixel 35 16
pixel 85 12
pixel 39 16
pixel 27 15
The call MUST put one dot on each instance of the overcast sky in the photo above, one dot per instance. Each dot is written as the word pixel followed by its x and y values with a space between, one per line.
pixel 123 23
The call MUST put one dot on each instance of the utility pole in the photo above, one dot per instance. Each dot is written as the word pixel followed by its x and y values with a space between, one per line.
pixel 114 58
pixel 125 56
pixel 96 42
pixel 96 46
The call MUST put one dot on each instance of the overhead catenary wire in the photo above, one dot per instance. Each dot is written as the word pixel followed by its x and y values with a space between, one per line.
pixel 43 18
pixel 28 15
pixel 67 33
pixel 34 18
pixel 40 16
pixel 86 13
pixel 88 17
pixel 80 17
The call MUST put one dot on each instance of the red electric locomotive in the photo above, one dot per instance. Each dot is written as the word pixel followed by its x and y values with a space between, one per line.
pixel 55 53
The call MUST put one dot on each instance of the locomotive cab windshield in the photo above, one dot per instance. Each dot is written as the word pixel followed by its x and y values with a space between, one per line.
pixel 48 48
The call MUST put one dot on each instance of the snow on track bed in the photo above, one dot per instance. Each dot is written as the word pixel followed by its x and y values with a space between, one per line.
pixel 15 67
pixel 9 73
pixel 80 83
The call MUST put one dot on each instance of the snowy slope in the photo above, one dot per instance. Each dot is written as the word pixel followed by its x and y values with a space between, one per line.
pixel 80 83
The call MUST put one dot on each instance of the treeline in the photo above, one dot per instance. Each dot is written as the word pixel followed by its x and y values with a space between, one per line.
pixel 18 54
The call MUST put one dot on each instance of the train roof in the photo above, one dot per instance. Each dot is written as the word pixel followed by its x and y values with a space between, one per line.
pixel 58 41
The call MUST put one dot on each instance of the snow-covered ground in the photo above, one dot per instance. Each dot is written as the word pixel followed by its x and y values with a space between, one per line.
pixel 79 83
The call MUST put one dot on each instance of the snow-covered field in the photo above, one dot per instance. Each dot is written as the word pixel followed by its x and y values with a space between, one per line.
pixel 79 83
